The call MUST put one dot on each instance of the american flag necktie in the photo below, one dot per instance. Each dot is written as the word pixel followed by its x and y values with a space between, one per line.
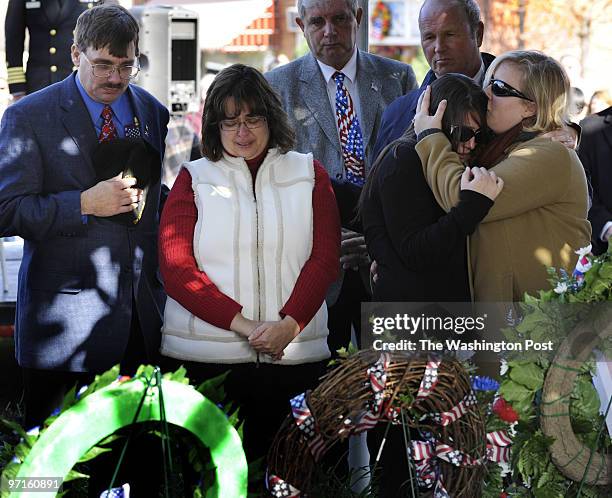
pixel 109 132
pixel 351 138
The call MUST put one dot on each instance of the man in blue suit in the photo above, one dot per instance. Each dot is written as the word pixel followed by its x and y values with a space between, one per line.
pixel 451 36
pixel 88 295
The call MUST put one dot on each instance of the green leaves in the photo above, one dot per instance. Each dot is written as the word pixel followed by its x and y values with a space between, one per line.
pixel 585 401
pixel 533 462
pixel 520 397
pixel 179 376
pixel 347 352
pixel 493 484
pixel 529 375
pixel 93 453
pixel 213 389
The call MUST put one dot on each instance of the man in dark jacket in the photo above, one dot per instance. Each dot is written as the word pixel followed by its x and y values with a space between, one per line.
pixel 595 152
pixel 50 24
pixel 451 35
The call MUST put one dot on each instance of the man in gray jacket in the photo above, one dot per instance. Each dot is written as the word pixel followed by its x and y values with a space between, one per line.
pixel 335 97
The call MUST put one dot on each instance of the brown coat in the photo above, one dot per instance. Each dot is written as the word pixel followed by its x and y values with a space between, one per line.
pixel 538 220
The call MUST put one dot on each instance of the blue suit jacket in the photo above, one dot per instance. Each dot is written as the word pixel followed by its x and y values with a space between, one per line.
pixel 77 281
pixel 399 114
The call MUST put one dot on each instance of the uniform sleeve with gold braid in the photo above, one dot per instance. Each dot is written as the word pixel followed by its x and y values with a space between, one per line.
pixel 14 30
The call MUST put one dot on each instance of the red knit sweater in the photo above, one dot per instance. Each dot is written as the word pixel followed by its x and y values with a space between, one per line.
pixel 192 288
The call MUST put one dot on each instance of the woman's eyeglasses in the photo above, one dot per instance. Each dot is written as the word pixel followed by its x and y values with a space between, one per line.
pixel 502 89
pixel 465 133
pixel 251 122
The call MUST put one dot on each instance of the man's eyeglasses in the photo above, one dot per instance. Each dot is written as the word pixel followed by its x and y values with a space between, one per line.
pixel 502 89
pixel 465 134
pixel 251 122
pixel 106 70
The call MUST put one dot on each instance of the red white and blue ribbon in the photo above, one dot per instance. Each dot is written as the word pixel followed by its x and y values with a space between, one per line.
pixel 430 379
pixel 306 422
pixel 425 454
pixel 377 379
pixel 281 489
pixel 121 492
pixel 455 413
pixel 583 264
pixel 498 446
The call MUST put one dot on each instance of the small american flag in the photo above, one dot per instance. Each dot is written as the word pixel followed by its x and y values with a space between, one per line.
pixel 306 422
pixel 301 412
pixel 281 489
pixel 440 491
pixel 122 492
pixel 498 447
pixel 132 130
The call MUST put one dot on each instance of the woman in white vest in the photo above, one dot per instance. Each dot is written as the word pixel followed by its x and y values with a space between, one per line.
pixel 249 243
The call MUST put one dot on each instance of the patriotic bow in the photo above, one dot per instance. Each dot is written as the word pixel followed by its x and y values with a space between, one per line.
pixel 456 412
pixel 583 264
pixel 430 379
pixel 281 489
pixel 377 378
pixel 306 422
pixel 498 446
pixel 122 492
pixel 425 454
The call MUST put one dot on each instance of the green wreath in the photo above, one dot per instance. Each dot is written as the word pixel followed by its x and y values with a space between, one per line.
pixel 72 434
pixel 561 448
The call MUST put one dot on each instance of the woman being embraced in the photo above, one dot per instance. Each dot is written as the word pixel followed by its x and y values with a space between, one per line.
pixel 415 244
pixel 249 243
pixel 540 217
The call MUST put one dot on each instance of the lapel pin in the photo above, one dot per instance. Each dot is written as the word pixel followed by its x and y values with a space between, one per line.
pixel 374 87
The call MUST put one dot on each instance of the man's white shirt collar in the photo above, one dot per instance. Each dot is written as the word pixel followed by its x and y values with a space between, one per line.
pixel 349 69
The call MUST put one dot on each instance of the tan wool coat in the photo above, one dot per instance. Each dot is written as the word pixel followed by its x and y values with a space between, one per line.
pixel 538 220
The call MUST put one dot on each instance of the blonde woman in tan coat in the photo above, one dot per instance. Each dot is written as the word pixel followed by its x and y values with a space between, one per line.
pixel 540 217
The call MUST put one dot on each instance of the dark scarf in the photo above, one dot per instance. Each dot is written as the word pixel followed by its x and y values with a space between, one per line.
pixel 495 150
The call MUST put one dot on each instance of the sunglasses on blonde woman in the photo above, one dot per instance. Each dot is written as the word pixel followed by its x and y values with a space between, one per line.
pixel 502 89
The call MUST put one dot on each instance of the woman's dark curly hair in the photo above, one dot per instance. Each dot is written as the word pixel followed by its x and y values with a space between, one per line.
pixel 248 88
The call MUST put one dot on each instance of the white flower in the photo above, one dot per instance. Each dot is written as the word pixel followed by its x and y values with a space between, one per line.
pixel 561 288
pixel 527 483
pixel 503 367
pixel 583 251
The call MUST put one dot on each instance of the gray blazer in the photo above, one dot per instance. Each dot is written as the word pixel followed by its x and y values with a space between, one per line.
pixel 303 93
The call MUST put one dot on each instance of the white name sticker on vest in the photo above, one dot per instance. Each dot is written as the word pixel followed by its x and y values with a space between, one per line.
pixel 32 5
pixel 222 191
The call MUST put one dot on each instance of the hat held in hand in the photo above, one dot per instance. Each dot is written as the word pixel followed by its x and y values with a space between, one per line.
pixel 132 158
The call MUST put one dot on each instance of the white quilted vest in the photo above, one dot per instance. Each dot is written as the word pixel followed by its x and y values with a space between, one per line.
pixel 253 248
